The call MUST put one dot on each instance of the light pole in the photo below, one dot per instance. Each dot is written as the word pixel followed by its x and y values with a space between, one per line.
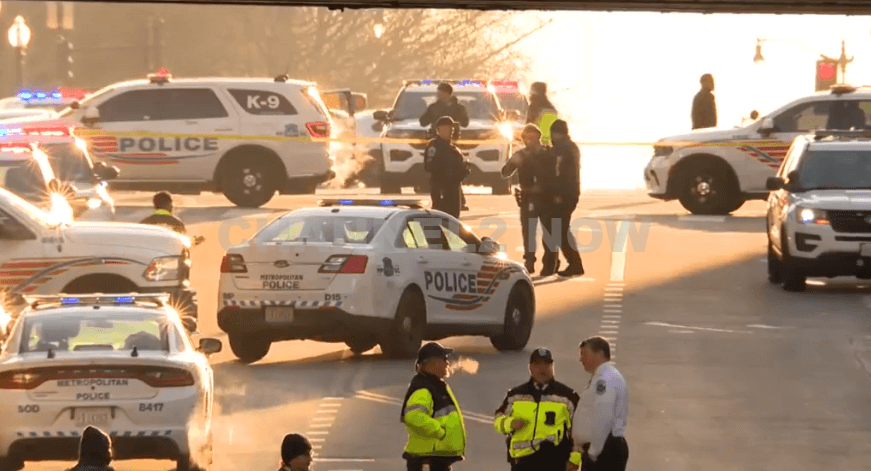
pixel 19 38
pixel 841 61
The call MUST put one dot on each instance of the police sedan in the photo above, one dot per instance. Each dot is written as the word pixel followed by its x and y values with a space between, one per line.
pixel 122 363
pixel 367 273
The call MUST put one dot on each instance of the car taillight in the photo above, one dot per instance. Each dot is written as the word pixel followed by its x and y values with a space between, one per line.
pixel 167 378
pixel 345 264
pixel 318 129
pixel 233 263
pixel 20 379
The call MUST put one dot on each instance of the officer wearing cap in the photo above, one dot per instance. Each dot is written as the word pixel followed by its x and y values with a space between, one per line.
pixel 444 162
pixel 446 104
pixel 296 453
pixel 537 417
pixel 431 414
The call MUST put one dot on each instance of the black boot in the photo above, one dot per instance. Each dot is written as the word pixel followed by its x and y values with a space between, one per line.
pixel 574 269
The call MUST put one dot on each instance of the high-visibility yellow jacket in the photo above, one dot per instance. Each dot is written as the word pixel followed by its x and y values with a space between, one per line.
pixel 433 419
pixel 545 120
pixel 548 414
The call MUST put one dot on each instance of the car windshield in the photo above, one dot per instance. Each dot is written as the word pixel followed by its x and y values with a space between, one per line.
pixel 479 104
pixel 347 229
pixel 41 217
pixel 513 101
pixel 70 163
pixel 836 170
pixel 94 330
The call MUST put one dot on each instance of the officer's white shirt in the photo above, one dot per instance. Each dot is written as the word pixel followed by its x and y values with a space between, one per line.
pixel 602 410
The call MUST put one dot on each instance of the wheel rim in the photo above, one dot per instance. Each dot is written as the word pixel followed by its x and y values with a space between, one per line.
pixel 407 325
pixel 703 188
pixel 516 316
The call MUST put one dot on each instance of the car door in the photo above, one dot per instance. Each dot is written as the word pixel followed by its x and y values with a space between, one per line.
pixel 778 200
pixel 20 252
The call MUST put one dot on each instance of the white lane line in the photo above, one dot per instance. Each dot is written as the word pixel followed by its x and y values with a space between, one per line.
pixel 695 218
pixel 318 432
pixel 613 310
pixel 316 440
pixel 610 322
pixel 618 264
pixel 613 306
pixel 321 425
pixel 707 329
pixel 612 316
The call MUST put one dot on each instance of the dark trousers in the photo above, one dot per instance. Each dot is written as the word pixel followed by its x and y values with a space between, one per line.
pixel 614 456
pixel 446 198
pixel 530 212
pixel 558 236
pixel 435 464
pixel 547 458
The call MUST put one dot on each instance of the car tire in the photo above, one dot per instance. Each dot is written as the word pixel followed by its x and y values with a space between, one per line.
pixel 7 464
pixel 250 182
pixel 186 463
pixel 708 188
pixel 248 348
pixel 361 345
pixel 405 336
pixel 519 319
pixel 793 279
pixel 775 266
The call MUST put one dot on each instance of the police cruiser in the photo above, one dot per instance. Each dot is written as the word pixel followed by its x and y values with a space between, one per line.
pixel 716 171
pixel 485 143
pixel 122 363
pixel 367 273
pixel 246 138
pixel 42 254
pixel 819 210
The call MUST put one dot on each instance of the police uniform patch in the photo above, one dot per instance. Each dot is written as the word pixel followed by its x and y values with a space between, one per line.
pixel 431 152
pixel 600 386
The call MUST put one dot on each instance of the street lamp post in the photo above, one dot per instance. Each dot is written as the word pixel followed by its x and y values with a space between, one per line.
pixel 19 38
pixel 841 61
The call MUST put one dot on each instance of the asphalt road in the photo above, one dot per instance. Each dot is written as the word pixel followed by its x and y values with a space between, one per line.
pixel 725 371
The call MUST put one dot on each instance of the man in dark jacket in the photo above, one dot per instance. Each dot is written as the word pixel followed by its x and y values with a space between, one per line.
pixel 296 453
pixel 444 162
pixel 162 215
pixel 95 451
pixel 704 106
pixel 561 195
pixel 541 111
pixel 445 105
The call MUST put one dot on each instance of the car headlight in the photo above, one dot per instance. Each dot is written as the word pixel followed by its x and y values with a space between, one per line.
pixel 811 216
pixel 164 269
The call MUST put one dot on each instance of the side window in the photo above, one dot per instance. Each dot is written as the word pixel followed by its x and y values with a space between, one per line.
pixel 804 117
pixel 849 114
pixel 790 162
pixel 414 235
pixel 25 179
pixel 259 102
pixel 425 233
pixel 451 230
pixel 192 103
pixel 135 105
pixel 162 105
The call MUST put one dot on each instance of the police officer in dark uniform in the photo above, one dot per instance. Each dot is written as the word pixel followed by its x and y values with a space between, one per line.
pixel 162 215
pixel 561 194
pixel 446 104
pixel 444 162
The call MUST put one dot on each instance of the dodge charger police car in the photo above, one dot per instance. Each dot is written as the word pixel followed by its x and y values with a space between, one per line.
pixel 369 273
pixel 245 138
pixel 819 211
pixel 485 143
pixel 716 171
pixel 124 364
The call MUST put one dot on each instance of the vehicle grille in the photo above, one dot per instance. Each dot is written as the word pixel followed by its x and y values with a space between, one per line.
pixel 850 221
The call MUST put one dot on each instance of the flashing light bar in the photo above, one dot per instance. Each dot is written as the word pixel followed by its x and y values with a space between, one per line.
pixel 51 131
pixel 159 299
pixel 460 83
pixel 59 94
pixel 389 203
pixel 161 76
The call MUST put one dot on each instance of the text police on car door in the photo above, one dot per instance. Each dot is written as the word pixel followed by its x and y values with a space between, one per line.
pixel 451 282
pixel 167 144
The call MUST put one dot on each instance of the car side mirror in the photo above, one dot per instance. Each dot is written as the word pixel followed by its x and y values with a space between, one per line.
pixel 774 183
pixel 189 323
pixel 767 126
pixel 487 246
pixel 91 116
pixel 210 346
pixel 381 115
pixel 75 105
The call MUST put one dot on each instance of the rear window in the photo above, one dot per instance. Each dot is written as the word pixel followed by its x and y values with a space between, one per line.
pixel 109 332
pixel 345 229
pixel 259 102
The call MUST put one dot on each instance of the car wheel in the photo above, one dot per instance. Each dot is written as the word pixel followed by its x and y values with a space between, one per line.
pixel 250 182
pixel 406 334
pixel 249 349
pixel 775 266
pixel 793 279
pixel 7 464
pixel 361 345
pixel 519 318
pixel 709 188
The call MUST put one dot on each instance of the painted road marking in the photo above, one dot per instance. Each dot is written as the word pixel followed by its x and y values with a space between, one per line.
pixel 323 421
pixel 707 329
pixel 695 218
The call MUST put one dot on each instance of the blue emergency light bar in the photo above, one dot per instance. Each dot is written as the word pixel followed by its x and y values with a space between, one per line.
pixel 160 299
pixel 408 203
pixel 28 95
pixel 459 83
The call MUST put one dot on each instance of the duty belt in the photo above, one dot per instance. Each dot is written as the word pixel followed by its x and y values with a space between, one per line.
pixel 533 443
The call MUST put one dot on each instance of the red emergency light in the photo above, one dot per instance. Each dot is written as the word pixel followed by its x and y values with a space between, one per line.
pixel 506 83
pixel 73 93
pixel 161 76
pixel 56 131
pixel 16 147
pixel 827 71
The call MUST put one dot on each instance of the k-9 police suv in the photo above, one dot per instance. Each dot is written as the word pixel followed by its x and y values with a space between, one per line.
pixel 41 254
pixel 485 143
pixel 246 138
pixel 124 364
pixel 819 211
pixel 371 273
pixel 716 171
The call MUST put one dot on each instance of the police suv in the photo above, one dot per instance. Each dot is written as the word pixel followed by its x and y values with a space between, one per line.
pixel 819 210
pixel 124 364
pixel 41 254
pixel 485 143
pixel 246 138
pixel 716 171
pixel 369 273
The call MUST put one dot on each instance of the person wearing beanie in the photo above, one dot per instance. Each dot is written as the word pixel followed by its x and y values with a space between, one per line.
pixel 95 451
pixel 296 453
pixel 431 414
pixel 541 111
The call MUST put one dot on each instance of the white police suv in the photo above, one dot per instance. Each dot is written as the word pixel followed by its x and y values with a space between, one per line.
pixel 246 138
pixel 485 143
pixel 124 364
pixel 819 210
pixel 714 171
pixel 369 273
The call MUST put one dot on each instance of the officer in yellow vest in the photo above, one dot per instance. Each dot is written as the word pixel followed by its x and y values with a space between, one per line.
pixel 436 433
pixel 537 417
pixel 541 111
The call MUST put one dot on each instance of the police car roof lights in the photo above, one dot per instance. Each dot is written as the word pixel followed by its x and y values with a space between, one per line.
pixel 161 76
pixel 460 83
pixel 389 203
pixel 159 299
pixel 842 88
pixel 842 134
pixel 54 95
pixel 282 78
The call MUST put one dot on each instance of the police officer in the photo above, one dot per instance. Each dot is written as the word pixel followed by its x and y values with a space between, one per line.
pixel 95 451
pixel 541 111
pixel 431 414
pixel 524 162
pixel 601 426
pixel 537 417
pixel 446 104
pixel 446 167
pixel 162 215
pixel 296 453
pixel 562 194
pixel 704 112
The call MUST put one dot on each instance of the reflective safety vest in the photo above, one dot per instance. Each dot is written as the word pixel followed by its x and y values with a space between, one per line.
pixel 548 415
pixel 433 419
pixel 545 120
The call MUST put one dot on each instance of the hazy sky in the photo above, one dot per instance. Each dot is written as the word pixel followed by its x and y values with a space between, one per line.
pixel 630 77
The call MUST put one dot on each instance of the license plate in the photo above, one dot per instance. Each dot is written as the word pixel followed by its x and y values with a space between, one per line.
pixel 865 250
pixel 96 416
pixel 279 314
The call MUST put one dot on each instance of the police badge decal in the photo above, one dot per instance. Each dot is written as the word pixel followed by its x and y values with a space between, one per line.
pixel 600 386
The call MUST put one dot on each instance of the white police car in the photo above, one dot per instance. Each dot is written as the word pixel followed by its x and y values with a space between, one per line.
pixel 819 210
pixel 122 363
pixel 485 143
pixel 369 273
pixel 246 138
